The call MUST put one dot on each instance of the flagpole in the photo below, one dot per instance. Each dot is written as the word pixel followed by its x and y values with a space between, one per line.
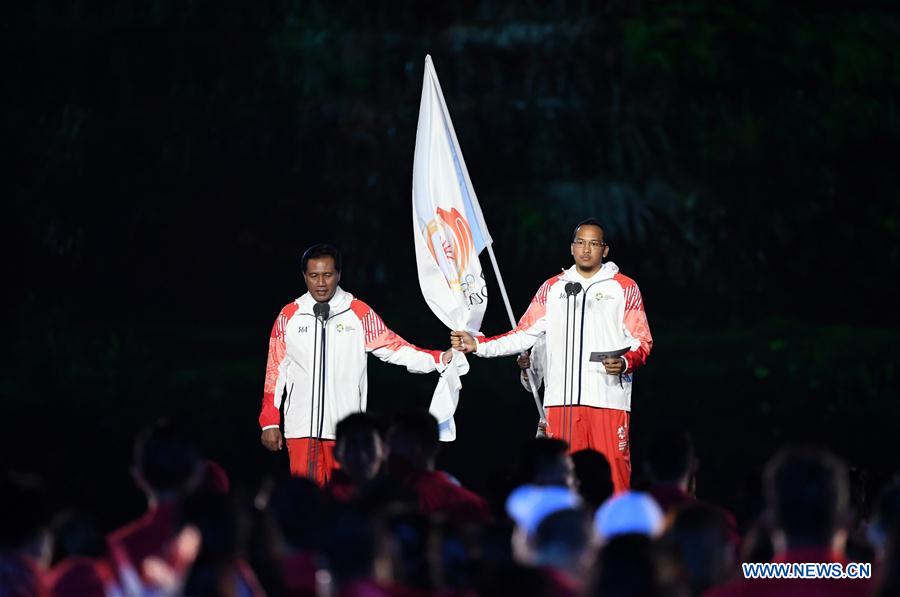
pixel 512 323
pixel 429 66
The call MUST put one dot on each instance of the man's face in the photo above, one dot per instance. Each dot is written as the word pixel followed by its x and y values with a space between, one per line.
pixel 361 455
pixel 321 278
pixel 589 248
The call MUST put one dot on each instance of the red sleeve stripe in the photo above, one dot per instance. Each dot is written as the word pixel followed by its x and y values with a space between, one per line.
pixel 373 326
pixel 368 319
pixel 633 298
pixel 280 326
pixel 536 309
pixel 377 334
pixel 277 349
pixel 541 295
pixel 631 291
pixel 635 322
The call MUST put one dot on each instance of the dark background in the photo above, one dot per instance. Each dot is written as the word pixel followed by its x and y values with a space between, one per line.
pixel 165 164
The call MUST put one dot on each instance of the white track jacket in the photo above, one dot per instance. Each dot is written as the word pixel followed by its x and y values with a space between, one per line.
pixel 294 371
pixel 606 315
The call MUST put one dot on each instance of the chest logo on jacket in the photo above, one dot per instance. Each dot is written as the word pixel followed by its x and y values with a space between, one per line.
pixel 303 329
pixel 344 327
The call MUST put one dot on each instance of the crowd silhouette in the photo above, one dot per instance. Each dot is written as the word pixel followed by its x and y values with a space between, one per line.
pixel 388 522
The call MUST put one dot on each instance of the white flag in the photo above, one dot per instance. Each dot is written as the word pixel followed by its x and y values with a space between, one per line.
pixel 449 233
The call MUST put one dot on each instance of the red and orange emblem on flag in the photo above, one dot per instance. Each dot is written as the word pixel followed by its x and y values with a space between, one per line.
pixel 451 230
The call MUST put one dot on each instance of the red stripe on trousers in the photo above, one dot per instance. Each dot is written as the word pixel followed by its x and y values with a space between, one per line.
pixel 596 429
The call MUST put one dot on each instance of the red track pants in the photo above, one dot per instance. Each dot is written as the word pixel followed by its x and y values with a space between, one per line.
pixel 311 458
pixel 602 429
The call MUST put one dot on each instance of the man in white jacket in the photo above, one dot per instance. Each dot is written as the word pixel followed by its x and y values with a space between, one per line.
pixel 316 369
pixel 596 332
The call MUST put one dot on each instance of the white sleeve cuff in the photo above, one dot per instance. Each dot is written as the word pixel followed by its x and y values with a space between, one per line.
pixel 270 427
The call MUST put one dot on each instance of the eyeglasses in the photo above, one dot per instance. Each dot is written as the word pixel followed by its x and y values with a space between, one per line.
pixel 594 244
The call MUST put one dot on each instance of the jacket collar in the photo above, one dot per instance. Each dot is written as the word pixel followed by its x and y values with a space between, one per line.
pixel 339 302
pixel 606 272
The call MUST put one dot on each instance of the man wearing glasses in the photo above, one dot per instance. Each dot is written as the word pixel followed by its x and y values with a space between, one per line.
pixel 592 320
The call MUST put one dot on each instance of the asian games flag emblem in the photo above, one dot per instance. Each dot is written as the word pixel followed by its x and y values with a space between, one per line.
pixel 449 233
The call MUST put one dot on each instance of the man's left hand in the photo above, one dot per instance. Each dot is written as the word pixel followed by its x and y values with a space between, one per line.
pixel 524 360
pixel 614 365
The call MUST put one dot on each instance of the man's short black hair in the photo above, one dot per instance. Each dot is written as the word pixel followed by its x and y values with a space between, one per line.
pixel 417 427
pixel 539 457
pixel 165 456
pixel 594 477
pixel 807 489
pixel 357 424
pixel 321 250
pixel 588 222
